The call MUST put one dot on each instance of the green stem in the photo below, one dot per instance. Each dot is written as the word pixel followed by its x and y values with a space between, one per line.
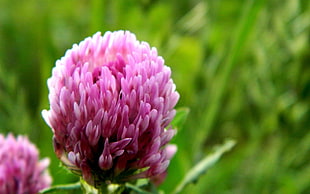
pixel 111 189
pixel 103 189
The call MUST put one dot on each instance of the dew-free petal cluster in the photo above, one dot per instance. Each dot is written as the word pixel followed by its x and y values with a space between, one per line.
pixel 20 169
pixel 111 103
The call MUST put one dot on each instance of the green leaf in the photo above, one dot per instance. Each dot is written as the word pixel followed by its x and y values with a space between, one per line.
pixel 136 189
pixel 62 188
pixel 180 117
pixel 206 163
pixel 86 188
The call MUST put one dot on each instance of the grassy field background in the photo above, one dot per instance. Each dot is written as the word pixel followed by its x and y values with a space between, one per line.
pixel 241 67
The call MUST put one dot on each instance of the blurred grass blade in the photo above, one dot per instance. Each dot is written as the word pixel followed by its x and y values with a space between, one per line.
pixel 243 31
pixel 201 168
pixel 180 117
pixel 195 19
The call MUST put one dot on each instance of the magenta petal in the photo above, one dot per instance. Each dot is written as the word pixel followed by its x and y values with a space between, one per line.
pixel 170 151
pixel 105 160
pixel 120 144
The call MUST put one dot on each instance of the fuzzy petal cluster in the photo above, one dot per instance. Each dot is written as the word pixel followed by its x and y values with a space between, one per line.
pixel 20 169
pixel 111 102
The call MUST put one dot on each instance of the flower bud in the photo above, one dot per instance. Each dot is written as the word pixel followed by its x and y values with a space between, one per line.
pixel 111 103
pixel 20 169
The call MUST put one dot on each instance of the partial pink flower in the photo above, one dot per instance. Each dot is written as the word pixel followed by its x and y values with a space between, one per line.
pixel 20 169
pixel 111 103
pixel 158 179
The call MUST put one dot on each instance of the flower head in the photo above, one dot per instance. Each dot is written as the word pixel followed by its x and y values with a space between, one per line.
pixel 20 170
pixel 111 102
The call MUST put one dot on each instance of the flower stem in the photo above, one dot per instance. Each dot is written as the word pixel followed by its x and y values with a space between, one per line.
pixel 103 189
pixel 111 189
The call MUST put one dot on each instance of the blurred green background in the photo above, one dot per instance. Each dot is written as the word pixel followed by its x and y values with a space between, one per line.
pixel 241 67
